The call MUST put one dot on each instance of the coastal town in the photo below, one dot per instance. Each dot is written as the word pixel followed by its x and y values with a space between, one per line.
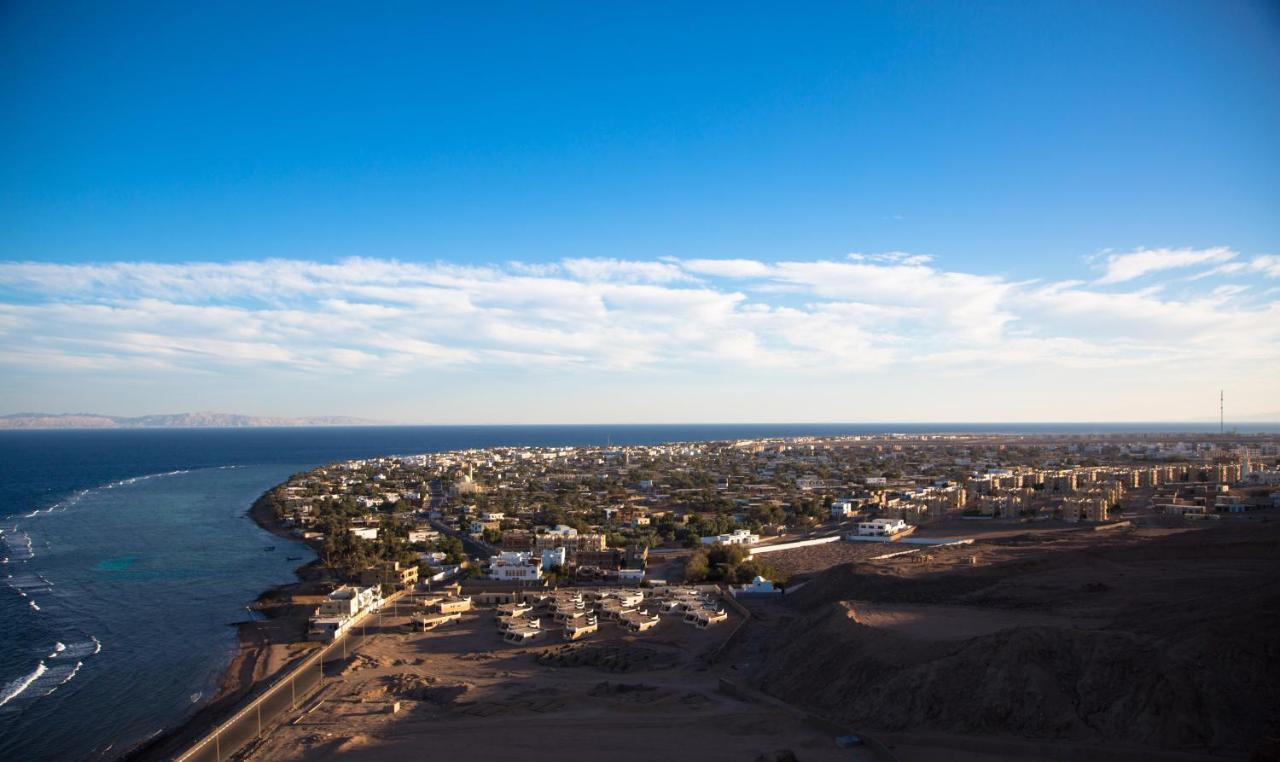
pixel 459 584
pixel 539 517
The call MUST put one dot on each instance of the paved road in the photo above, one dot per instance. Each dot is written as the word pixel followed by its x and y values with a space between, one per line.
pixel 439 501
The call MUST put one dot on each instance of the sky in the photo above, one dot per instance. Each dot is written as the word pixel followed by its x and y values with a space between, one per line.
pixel 657 212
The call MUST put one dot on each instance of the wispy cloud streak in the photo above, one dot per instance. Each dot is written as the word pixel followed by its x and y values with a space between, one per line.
pixel 863 312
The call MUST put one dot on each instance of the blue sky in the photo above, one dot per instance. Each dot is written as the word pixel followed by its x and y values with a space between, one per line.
pixel 1045 201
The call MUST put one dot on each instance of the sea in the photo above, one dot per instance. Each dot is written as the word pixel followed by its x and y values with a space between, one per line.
pixel 127 556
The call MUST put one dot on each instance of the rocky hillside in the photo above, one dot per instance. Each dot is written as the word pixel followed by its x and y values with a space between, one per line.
pixel 1171 643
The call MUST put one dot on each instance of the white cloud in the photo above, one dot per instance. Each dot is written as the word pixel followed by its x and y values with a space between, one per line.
pixel 897 257
pixel 624 270
pixel 1125 267
pixel 1267 264
pixel 727 268
pixel 855 315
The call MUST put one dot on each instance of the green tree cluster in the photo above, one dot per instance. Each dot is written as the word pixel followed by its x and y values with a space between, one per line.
pixel 728 563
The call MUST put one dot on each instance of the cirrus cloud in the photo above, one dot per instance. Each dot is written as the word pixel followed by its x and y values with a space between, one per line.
pixel 857 314
pixel 1136 264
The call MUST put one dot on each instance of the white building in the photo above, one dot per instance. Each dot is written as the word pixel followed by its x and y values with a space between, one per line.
pixel 554 557
pixel 736 537
pixel 349 600
pixel 562 531
pixel 340 609
pixel 881 527
pixel 635 576
pixel 843 509
pixel 757 586
pixel 423 535
pixel 365 533
pixel 808 482
pixel 515 566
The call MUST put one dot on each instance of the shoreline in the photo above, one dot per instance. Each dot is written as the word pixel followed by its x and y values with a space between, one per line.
pixel 264 647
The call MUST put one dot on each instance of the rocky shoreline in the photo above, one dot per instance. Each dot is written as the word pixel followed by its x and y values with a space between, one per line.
pixel 264 648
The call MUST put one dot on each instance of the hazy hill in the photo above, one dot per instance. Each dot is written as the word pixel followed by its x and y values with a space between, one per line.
pixel 171 421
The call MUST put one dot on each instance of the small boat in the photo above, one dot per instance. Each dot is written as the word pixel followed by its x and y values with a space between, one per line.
pixel 269 548
pixel 294 558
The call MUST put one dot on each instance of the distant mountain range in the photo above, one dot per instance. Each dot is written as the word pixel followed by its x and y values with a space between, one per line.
pixel 174 421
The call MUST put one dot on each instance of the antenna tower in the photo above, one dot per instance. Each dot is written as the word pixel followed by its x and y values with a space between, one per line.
pixel 1222 426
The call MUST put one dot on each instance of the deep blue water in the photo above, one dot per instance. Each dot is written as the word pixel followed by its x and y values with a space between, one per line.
pixel 127 557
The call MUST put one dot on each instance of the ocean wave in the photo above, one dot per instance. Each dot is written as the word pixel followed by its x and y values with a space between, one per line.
pixel 52 672
pixel 15 688
pixel 62 505
pixel 80 649
pixel 68 678
pixel 144 477
pixel 26 582
pixel 19 545
pixel 51 679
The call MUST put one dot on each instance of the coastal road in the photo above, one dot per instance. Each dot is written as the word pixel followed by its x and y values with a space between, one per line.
pixel 218 743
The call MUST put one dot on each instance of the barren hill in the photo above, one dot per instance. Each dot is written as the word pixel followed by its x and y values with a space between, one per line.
pixel 1169 642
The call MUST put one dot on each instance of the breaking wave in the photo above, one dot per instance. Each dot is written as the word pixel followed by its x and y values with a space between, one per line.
pixel 143 478
pixel 52 672
pixel 19 546
pixel 15 688
pixel 63 675
pixel 62 505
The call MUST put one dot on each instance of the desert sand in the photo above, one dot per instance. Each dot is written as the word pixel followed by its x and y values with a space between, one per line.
pixel 462 691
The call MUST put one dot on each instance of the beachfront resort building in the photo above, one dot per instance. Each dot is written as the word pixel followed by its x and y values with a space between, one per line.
pixel 340 609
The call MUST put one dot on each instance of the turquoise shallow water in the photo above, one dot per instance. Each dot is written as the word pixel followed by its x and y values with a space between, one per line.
pixel 134 584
